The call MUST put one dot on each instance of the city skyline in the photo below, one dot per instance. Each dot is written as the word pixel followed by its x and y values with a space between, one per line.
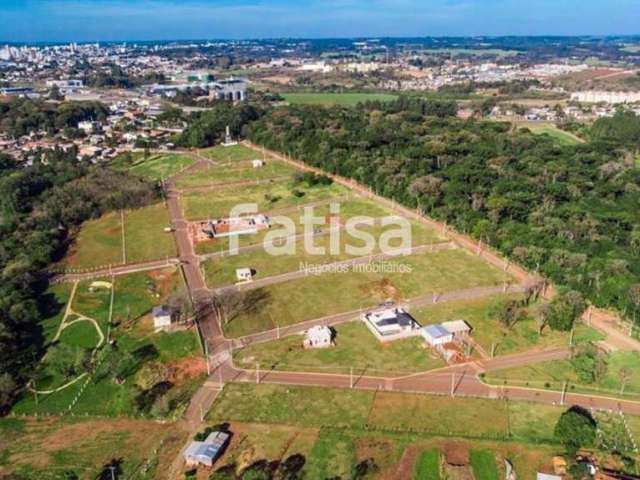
pixel 28 21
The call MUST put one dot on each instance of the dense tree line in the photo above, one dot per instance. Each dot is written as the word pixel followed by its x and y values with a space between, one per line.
pixel 570 212
pixel 23 116
pixel 40 207
pixel 208 128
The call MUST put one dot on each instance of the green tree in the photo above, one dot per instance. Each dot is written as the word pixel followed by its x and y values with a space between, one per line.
pixel 575 429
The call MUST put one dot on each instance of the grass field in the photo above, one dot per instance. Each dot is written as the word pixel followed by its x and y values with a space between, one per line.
pixel 99 242
pixel 136 346
pixel 490 334
pixel 53 448
pixel 355 347
pixel 156 167
pixel 428 465
pixel 244 171
pixel 267 197
pixel 549 129
pixel 331 293
pixel 349 426
pixel 229 154
pixel 221 271
pixel 553 374
pixel 347 99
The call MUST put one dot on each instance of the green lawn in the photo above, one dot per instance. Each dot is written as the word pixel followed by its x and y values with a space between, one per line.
pixel 221 271
pixel 56 299
pixel 347 99
pixel 488 331
pixel 428 465
pixel 560 136
pixel 230 154
pixel 135 344
pixel 144 235
pixel 553 374
pixel 483 464
pixel 98 243
pixel 267 197
pixel 158 167
pixel 244 171
pixel 355 347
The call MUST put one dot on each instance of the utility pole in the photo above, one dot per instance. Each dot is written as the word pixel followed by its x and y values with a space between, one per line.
pixel 564 392
pixel 571 338
pixel 257 373
pixel 351 377
pixel 113 474
pixel 453 384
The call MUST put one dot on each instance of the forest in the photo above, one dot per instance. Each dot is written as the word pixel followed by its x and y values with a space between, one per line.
pixel 569 212
pixel 40 208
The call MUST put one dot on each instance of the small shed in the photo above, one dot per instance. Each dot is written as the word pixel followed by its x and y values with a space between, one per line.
pixel 257 163
pixel 162 317
pixel 436 335
pixel 206 453
pixel 318 337
pixel 244 274
pixel 457 328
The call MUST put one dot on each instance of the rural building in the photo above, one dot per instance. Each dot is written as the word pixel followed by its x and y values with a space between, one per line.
pixel 391 323
pixel 257 163
pixel 163 316
pixel 226 227
pixel 318 337
pixel 436 335
pixel 205 453
pixel 458 328
pixel 244 274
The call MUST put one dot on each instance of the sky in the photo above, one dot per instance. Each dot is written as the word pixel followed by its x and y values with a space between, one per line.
pixel 114 20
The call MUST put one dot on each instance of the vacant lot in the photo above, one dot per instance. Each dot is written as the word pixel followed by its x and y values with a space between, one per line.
pixel 234 153
pixel 347 99
pixel 155 167
pixel 355 347
pixel 99 242
pixel 331 293
pixel 48 448
pixel 216 175
pixel 267 197
pixel 553 375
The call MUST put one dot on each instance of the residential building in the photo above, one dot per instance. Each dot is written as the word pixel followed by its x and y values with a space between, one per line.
pixel 319 336
pixel 163 316
pixel 391 323
pixel 206 453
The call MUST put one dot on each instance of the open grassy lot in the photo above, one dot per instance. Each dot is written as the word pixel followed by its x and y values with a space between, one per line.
pixel 560 136
pixel 243 171
pixel 428 465
pixel 56 299
pixel 155 167
pixel 395 421
pixel 221 271
pixel 173 358
pixel 144 236
pixel 234 153
pixel 267 197
pixel 488 332
pixel 355 347
pixel 50 448
pixel 347 99
pixel 553 374
pixel 331 293
pixel 98 243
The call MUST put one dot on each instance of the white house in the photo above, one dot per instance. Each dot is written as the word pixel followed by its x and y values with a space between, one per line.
pixel 257 163
pixel 205 453
pixel 436 335
pixel 244 274
pixel 162 317
pixel 390 323
pixel 318 337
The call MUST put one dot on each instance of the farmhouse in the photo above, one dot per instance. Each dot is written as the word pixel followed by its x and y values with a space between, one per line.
pixel 205 453
pixel 390 323
pixel 163 315
pixel 318 337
